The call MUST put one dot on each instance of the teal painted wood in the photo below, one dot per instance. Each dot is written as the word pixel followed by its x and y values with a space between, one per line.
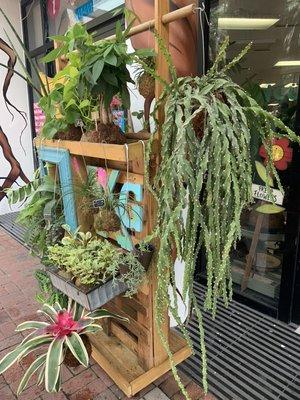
pixel 61 158
pixel 135 221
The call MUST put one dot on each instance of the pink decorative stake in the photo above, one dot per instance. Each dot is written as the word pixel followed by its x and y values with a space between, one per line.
pixel 102 177
pixel 76 167
pixel 53 7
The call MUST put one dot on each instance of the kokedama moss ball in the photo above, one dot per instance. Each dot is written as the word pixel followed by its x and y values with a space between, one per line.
pixel 146 84
pixel 73 133
pixel 107 220
pixel 106 133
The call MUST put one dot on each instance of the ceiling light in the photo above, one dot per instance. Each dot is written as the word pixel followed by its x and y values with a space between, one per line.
pixel 246 23
pixel 266 85
pixel 273 104
pixel 291 84
pixel 288 63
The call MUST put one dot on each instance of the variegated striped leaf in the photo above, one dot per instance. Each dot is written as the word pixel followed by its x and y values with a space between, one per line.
pixel 77 348
pixel 30 371
pixel 93 328
pixel 31 325
pixel 53 363
pixel 98 314
pixel 10 358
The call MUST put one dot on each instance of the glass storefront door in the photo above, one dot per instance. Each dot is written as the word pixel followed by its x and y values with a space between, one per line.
pixel 270 73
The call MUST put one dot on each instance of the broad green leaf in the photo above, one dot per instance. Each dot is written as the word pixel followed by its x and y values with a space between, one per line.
pixel 110 78
pixel 30 371
pixel 262 172
pixel 77 348
pixel 111 59
pixel 53 362
pixel 269 209
pixel 97 69
pixel 31 325
pixel 108 50
pixel 10 358
pixel 59 38
pixel 55 53
pixel 70 103
pixel 84 103
pixel 73 71
pixel 118 31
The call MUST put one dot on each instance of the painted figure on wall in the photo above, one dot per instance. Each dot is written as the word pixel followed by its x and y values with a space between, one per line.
pixel 15 167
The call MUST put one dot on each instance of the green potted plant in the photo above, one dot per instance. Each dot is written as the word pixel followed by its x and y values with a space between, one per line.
pixel 84 89
pixel 62 340
pixel 93 271
pixel 42 215
pixel 205 170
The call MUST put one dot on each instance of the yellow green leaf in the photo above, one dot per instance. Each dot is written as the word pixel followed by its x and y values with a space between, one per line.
pixel 269 209
pixel 262 172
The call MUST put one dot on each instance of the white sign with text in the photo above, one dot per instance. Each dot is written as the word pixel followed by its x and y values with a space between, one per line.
pixel 260 192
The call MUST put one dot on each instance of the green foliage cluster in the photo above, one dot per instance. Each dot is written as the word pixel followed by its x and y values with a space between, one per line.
pixel 40 195
pixel 95 73
pixel 48 294
pixel 210 178
pixel 93 261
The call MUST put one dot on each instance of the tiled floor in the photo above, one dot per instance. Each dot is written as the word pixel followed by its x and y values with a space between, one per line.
pixel 17 304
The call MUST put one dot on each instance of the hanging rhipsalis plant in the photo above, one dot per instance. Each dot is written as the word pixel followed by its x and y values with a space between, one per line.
pixel 205 173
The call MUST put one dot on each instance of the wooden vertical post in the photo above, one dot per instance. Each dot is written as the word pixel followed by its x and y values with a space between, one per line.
pixel 161 8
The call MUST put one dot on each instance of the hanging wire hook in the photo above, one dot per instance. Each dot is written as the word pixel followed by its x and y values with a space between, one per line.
pixel 202 13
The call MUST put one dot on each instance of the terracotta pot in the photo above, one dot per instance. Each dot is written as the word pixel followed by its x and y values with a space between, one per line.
pixel 70 360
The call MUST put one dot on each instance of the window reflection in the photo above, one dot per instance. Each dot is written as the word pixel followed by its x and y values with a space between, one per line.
pixel 270 73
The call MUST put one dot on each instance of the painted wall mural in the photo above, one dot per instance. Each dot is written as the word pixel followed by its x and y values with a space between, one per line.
pixel 16 153
pixel 16 170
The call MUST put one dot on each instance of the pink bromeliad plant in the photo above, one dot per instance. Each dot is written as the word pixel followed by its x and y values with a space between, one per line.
pixel 61 334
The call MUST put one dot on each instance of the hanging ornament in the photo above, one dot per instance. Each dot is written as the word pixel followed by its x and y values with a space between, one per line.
pixel 282 154
pixel 53 7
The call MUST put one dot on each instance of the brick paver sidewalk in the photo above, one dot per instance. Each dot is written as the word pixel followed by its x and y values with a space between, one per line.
pixel 17 304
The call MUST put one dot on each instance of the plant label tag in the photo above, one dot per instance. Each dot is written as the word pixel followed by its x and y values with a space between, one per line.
pixel 99 203
pixel 260 192
pixel 79 123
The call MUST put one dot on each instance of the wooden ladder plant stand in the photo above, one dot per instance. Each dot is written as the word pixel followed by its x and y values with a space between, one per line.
pixel 132 353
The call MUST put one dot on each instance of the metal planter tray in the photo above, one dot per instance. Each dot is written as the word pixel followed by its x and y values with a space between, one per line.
pixel 92 299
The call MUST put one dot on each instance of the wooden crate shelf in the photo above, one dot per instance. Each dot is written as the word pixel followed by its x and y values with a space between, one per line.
pixel 122 364
pixel 115 154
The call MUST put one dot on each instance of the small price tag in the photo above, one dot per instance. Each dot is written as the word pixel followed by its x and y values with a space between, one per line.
pixel 79 123
pixel 99 203
pixel 260 192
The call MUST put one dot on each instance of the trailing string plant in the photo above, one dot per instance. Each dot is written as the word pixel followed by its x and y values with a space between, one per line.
pixel 42 214
pixel 205 174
